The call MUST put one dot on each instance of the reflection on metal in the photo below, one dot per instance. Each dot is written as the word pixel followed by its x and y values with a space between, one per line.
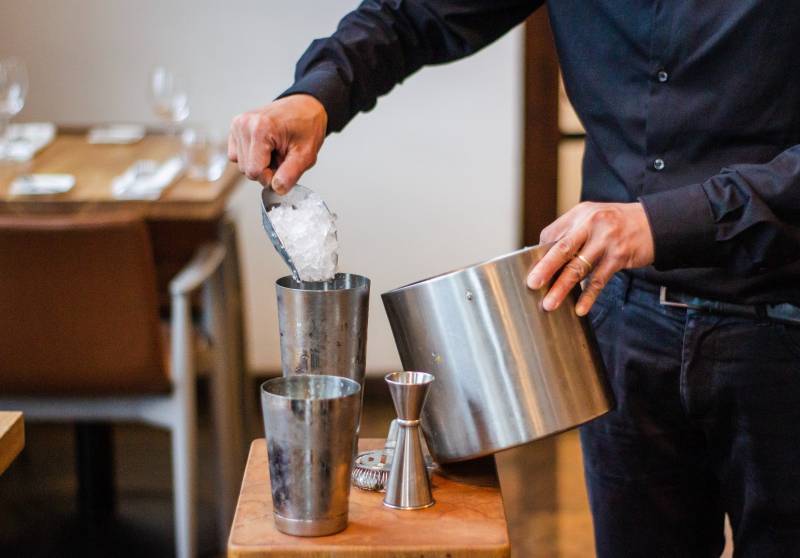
pixel 408 486
pixel 310 424
pixel 323 325
pixel 507 372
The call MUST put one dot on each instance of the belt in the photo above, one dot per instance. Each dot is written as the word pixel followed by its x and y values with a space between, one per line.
pixel 784 313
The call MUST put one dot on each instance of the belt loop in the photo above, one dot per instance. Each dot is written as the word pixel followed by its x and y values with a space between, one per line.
pixel 626 286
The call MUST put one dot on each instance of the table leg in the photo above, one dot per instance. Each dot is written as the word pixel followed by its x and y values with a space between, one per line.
pixel 95 469
pixel 530 492
pixel 223 307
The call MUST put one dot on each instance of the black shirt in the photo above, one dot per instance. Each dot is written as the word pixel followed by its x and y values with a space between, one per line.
pixel 693 108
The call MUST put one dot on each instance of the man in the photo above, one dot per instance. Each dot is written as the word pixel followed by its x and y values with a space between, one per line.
pixel 689 239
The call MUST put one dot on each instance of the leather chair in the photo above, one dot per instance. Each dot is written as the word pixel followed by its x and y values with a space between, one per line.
pixel 81 339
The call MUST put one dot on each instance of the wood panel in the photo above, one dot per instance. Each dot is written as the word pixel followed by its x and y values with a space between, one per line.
pixel 528 474
pixel 466 522
pixel 94 167
pixel 540 173
pixel 12 437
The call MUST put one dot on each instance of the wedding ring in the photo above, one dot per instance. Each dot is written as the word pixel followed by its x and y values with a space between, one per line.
pixel 589 265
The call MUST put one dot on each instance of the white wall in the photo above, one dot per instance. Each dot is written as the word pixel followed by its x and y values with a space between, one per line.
pixel 427 182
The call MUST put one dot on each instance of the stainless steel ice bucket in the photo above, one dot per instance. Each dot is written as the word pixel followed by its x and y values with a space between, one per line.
pixel 507 372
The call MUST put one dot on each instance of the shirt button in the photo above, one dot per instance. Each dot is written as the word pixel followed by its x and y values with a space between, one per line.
pixel 658 164
pixel 663 76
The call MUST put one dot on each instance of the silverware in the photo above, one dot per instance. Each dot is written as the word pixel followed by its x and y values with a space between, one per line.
pixel 507 372
pixel 408 486
pixel 371 468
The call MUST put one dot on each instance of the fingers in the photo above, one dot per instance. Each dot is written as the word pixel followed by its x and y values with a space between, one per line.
pixel 567 221
pixel 556 229
pixel 250 146
pixel 573 273
pixel 290 170
pixel 265 178
pixel 242 149
pixel 559 254
pixel 258 158
pixel 233 156
pixel 596 283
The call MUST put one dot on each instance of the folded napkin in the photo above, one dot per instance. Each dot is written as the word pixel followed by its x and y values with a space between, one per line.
pixel 42 184
pixel 117 134
pixel 146 179
pixel 23 141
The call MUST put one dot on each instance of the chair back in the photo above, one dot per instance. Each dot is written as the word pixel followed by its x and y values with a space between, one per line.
pixel 78 306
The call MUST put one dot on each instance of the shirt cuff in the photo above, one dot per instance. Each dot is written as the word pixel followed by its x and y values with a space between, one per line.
pixel 683 227
pixel 327 87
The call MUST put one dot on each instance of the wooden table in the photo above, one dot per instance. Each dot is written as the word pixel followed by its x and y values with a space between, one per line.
pixel 94 166
pixel 466 521
pixel 187 215
pixel 12 437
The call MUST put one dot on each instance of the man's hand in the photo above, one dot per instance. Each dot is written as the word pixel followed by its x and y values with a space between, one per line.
pixel 596 238
pixel 279 142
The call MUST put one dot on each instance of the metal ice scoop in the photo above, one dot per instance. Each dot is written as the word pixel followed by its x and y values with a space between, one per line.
pixel 270 199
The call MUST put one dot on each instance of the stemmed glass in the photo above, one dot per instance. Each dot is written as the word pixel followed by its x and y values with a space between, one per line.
pixel 13 87
pixel 169 97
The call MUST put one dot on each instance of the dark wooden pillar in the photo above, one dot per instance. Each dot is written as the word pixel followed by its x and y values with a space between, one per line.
pixel 540 157
pixel 528 473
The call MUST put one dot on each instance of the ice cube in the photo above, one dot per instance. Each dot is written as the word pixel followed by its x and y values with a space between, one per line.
pixel 308 233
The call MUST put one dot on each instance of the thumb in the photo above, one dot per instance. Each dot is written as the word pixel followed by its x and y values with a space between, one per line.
pixel 290 170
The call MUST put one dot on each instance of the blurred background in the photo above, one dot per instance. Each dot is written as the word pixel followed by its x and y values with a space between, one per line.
pixel 459 164
pixel 428 181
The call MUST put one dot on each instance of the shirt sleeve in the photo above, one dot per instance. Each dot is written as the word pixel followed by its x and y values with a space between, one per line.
pixel 746 219
pixel 384 41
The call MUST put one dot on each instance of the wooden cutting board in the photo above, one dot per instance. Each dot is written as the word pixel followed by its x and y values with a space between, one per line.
pixel 466 522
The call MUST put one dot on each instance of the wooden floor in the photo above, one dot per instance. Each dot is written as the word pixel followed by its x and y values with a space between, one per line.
pixel 542 483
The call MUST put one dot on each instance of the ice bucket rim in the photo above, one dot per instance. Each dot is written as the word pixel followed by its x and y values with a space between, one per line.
pixel 447 274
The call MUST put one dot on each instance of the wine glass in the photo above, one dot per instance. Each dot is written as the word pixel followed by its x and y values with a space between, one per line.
pixel 13 87
pixel 169 97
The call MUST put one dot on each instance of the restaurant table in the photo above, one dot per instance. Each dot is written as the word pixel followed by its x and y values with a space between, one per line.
pixel 12 437
pixel 185 216
pixel 95 166
pixel 466 521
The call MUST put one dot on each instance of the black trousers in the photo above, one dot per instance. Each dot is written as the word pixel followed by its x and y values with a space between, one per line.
pixel 707 422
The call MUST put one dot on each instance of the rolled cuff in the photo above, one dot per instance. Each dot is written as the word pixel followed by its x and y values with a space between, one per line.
pixel 327 87
pixel 683 227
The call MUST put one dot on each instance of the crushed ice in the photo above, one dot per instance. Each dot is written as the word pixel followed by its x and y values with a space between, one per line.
pixel 308 232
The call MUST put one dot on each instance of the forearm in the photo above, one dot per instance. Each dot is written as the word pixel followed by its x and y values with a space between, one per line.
pixel 382 42
pixel 746 219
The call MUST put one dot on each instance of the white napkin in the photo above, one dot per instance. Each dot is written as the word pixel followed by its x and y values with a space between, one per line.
pixel 42 184
pixel 23 141
pixel 146 179
pixel 117 134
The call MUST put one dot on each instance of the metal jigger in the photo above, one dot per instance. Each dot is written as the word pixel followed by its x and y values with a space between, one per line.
pixel 408 487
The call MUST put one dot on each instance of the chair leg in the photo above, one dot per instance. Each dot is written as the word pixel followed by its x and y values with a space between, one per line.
pixel 184 432
pixel 232 287
pixel 94 450
pixel 226 407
